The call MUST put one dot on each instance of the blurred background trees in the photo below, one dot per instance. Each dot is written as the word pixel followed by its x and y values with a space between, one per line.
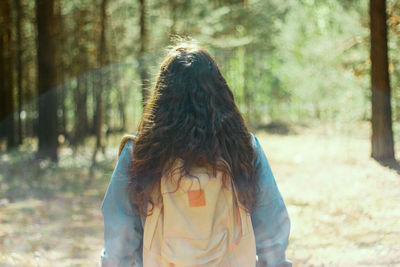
pixel 77 69
pixel 317 81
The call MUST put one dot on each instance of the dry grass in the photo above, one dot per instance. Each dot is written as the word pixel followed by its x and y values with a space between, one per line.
pixel 343 205
pixel 344 208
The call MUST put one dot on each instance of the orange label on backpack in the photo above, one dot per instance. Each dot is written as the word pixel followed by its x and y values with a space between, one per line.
pixel 196 198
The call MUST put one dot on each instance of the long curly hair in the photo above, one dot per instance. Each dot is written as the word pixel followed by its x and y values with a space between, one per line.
pixel 191 115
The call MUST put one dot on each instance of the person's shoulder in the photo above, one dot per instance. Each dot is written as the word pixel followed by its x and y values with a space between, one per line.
pixel 127 141
pixel 258 150
pixel 254 141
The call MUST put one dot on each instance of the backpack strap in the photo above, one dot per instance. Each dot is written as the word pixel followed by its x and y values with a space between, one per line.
pixel 241 218
pixel 125 139
pixel 150 226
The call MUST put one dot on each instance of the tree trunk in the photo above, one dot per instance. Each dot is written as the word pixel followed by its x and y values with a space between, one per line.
pixel 123 96
pixel 61 70
pixel 80 99
pixel 382 135
pixel 29 94
pixel 247 90
pixel 47 77
pixel 107 78
pixel 19 67
pixel 144 76
pixel 3 95
pixel 174 16
pixel 8 81
pixel 80 92
pixel 102 59
pixel 62 97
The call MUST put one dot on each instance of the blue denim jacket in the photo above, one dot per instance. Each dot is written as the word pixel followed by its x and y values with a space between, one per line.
pixel 123 227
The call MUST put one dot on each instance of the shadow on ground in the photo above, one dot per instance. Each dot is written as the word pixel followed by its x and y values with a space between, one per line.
pixel 391 164
pixel 277 127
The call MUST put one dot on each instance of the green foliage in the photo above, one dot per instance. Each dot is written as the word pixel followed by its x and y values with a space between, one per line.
pixel 312 52
pixel 291 61
pixel 285 60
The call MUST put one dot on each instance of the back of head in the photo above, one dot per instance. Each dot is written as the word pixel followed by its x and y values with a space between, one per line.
pixel 192 115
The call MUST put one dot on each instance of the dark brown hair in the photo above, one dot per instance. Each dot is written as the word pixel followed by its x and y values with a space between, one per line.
pixel 191 115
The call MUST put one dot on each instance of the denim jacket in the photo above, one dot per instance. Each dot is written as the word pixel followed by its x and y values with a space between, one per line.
pixel 123 227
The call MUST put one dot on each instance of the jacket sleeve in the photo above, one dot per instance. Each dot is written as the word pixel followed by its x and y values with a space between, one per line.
pixel 270 219
pixel 123 229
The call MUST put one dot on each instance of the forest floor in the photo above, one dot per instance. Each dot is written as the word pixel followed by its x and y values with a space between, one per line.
pixel 344 206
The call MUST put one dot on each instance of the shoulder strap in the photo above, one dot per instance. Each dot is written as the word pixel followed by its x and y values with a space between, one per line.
pixel 240 217
pixel 125 138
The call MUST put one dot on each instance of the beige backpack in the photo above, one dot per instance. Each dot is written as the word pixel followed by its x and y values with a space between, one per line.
pixel 201 223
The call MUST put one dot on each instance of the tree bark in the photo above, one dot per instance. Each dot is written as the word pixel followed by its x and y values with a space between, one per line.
pixel 61 70
pixel 102 60
pixel 381 121
pixel 174 16
pixel 18 8
pixel 123 96
pixel 80 92
pixel 47 77
pixel 3 95
pixel 8 68
pixel 80 100
pixel 144 76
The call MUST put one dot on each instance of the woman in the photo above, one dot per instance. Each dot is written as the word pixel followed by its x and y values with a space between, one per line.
pixel 192 116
